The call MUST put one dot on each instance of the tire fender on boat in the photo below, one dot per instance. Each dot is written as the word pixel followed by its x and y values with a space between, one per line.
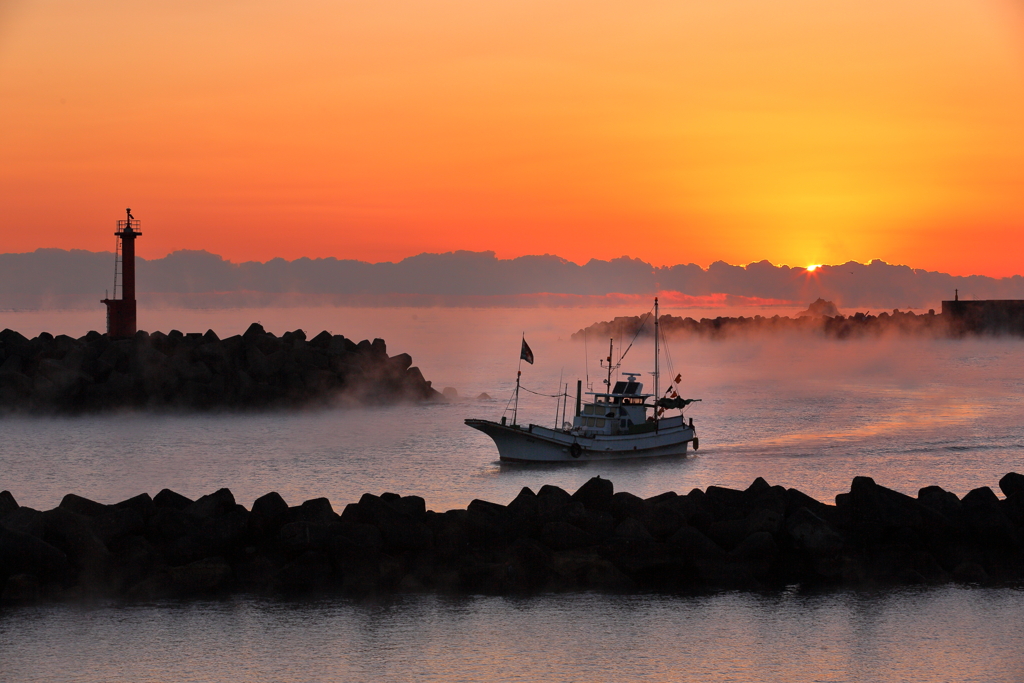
pixel 575 450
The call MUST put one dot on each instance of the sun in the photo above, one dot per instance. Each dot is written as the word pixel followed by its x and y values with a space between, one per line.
pixel 811 269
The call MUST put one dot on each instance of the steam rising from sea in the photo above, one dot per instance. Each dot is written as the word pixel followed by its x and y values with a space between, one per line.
pixel 798 410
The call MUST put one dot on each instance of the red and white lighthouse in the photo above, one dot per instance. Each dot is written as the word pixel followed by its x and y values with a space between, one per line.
pixel 121 311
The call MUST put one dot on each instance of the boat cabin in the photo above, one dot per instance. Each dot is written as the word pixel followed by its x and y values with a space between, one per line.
pixel 621 411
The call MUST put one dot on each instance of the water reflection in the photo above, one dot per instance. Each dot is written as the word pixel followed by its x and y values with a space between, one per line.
pixel 945 634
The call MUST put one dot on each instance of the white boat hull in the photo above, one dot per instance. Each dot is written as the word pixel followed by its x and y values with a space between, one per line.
pixel 541 444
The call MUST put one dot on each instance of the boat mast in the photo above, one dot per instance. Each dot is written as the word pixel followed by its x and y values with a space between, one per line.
pixel 611 349
pixel 515 409
pixel 657 395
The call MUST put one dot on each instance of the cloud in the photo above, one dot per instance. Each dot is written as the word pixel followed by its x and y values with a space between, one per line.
pixel 55 278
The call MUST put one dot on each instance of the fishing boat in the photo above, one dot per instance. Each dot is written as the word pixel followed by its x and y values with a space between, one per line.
pixel 618 423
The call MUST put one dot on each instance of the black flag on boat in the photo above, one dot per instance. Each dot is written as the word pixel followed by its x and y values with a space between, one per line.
pixel 526 354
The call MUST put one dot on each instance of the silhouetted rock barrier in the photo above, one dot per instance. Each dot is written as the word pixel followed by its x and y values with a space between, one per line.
pixel 594 539
pixel 855 326
pixel 200 372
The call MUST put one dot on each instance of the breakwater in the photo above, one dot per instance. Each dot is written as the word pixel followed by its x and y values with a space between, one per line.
pixel 858 325
pixel 254 370
pixel 550 540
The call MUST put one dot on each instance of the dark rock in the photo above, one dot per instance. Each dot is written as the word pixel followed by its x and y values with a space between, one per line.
pixel 813 536
pixel 117 524
pixel 625 505
pixel 21 589
pixel 83 506
pixel 529 565
pixel 970 572
pixel 662 498
pixel 1013 508
pixel 809 532
pixel 203 576
pixel 169 524
pixel 764 519
pixel 399 531
pixel 560 496
pixel 136 560
pixel 413 506
pixel 664 520
pixel 315 511
pixel 600 525
pixel 595 494
pixel 1012 484
pixel 21 553
pixel 986 519
pixel 271 508
pixel 7 504
pixel 633 530
pixel 598 574
pixel 757 551
pixel 403 362
pixel 311 571
pixel 878 513
pixel 720 496
pixel 213 504
pixel 25 520
pixel 589 571
pixel 487 522
pixel 451 534
pixel 728 533
pixel 254 330
pixel 695 546
pixel 553 504
pixel 941 501
pixel 172 547
pixel 797 499
pixel 524 505
pixel 299 537
pixel 758 487
pixel 774 499
pixel 169 499
pixel 141 503
pixel 355 552
pixel 565 536
pixel 73 534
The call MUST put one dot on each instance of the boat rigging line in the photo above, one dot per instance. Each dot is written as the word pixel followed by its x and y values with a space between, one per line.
pixel 638 329
pixel 560 373
pixel 586 360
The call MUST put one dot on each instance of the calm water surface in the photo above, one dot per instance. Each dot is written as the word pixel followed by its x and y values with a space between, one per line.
pixel 947 634
pixel 800 412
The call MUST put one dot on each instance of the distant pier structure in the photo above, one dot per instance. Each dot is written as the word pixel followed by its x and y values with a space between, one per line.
pixel 121 322
pixel 985 316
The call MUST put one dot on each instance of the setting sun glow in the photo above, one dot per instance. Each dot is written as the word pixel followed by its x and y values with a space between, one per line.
pixel 671 132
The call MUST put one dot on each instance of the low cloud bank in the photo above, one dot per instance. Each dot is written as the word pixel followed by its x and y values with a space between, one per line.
pixel 55 278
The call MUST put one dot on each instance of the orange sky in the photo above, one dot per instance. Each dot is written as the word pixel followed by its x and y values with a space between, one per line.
pixel 796 131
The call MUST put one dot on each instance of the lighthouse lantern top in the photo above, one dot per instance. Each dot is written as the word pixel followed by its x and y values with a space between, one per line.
pixel 129 227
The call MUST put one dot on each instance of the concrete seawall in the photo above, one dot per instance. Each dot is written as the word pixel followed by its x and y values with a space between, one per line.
pixel 991 316
pixel 764 537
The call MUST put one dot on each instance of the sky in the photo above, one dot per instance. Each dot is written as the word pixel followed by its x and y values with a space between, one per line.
pixel 796 131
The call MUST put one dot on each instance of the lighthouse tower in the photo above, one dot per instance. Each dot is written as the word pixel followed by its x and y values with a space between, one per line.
pixel 121 311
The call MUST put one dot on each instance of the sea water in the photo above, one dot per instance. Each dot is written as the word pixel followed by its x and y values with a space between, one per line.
pixel 800 411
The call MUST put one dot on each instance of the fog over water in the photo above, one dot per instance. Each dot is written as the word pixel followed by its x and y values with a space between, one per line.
pixel 801 411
